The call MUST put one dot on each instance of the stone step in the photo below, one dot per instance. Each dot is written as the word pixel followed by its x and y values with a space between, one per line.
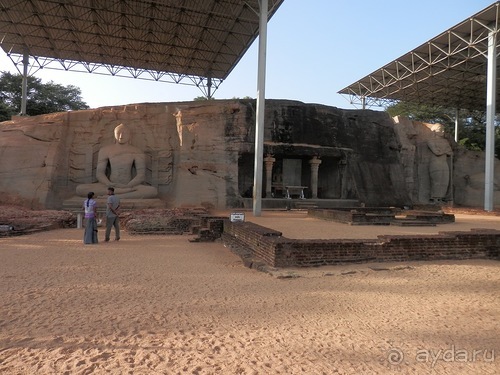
pixel 76 203
pixel 204 235
pixel 305 205
pixel 412 223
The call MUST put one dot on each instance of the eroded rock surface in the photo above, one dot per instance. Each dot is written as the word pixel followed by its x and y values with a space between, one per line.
pixel 202 154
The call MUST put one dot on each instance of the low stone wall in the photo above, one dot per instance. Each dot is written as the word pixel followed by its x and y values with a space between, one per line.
pixel 357 215
pixel 379 216
pixel 277 251
pixel 257 240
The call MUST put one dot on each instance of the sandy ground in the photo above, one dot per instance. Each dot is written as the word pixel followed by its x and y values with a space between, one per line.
pixel 164 305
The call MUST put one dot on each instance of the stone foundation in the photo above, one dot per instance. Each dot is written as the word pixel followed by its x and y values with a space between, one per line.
pixel 273 249
pixel 75 204
pixel 381 216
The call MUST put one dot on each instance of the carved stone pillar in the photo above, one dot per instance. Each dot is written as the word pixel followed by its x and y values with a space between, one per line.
pixel 314 162
pixel 268 163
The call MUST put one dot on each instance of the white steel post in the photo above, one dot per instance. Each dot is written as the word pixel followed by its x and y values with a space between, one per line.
pixel 24 85
pixel 490 122
pixel 261 97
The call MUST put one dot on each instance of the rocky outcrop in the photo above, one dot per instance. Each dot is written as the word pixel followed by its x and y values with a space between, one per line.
pixel 202 153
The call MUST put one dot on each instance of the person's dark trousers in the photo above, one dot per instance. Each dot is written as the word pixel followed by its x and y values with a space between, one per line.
pixel 110 223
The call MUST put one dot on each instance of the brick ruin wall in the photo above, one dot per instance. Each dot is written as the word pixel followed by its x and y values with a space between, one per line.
pixel 277 251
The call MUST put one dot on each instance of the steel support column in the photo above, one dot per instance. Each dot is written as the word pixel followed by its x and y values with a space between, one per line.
pixel 209 87
pixel 489 173
pixel 24 85
pixel 261 97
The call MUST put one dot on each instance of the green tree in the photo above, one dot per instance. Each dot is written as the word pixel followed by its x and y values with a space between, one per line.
pixel 202 98
pixel 42 98
pixel 5 112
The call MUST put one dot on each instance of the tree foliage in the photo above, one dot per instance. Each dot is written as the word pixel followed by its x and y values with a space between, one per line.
pixel 471 124
pixel 202 98
pixel 42 98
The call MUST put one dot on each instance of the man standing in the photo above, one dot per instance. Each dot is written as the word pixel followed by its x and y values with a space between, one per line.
pixel 112 219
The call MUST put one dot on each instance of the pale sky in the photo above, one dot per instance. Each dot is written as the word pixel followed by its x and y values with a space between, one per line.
pixel 315 48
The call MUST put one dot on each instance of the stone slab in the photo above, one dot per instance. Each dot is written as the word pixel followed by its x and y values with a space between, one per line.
pixel 75 204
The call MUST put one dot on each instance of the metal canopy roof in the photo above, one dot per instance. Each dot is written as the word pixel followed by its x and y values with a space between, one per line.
pixel 162 40
pixel 449 70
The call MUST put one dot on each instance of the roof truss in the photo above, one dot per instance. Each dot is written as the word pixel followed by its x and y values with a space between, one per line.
pixel 449 70
pixel 196 42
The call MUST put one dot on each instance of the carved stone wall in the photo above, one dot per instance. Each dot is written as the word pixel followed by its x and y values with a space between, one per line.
pixel 466 178
pixel 201 153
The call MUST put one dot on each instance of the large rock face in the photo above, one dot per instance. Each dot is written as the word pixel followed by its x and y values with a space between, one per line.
pixel 202 153
pixel 359 150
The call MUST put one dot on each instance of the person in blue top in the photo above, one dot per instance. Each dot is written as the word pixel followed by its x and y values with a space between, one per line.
pixel 112 219
pixel 90 207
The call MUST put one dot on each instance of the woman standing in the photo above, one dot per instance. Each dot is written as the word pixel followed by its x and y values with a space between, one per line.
pixel 90 207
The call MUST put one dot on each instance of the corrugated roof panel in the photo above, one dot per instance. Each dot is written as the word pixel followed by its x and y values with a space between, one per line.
pixel 448 70
pixel 190 37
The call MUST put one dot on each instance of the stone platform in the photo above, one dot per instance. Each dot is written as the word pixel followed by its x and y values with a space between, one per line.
pixel 266 247
pixel 381 216
pixel 287 204
pixel 75 204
